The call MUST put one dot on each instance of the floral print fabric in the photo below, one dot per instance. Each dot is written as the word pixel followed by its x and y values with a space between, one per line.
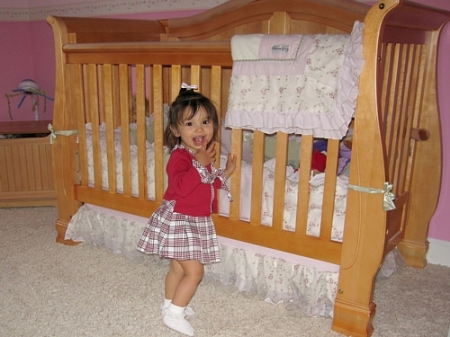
pixel 312 91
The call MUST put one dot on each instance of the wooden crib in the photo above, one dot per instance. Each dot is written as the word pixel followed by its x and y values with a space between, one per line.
pixel 103 64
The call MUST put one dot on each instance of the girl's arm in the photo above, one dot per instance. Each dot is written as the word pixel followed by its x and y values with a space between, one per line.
pixel 227 172
pixel 230 165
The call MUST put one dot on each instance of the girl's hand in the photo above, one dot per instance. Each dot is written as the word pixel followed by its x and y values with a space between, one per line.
pixel 231 165
pixel 206 155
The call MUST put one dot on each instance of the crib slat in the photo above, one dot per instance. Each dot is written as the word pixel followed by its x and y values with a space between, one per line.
pixel 176 81
pixel 215 96
pixel 157 96
pixel 393 98
pixel 257 177
pixel 109 121
pixel 235 181
pixel 303 184
pixel 78 104
pixel 385 97
pixel 280 180
pixel 91 91
pixel 195 77
pixel 101 90
pixel 125 104
pixel 141 131
pixel 116 95
pixel 329 188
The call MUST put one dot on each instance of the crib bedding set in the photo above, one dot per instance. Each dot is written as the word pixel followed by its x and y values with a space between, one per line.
pixel 319 101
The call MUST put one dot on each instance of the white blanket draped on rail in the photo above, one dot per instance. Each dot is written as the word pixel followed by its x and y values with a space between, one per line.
pixel 302 84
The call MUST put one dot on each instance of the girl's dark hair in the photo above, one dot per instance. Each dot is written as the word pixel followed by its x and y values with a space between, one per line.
pixel 189 100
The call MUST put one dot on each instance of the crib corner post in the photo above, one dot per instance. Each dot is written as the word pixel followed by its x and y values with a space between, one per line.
pixel 354 308
pixel 361 257
pixel 414 253
pixel 63 147
pixel 64 174
pixel 353 320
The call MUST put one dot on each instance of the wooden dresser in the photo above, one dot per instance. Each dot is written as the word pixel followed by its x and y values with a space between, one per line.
pixel 26 177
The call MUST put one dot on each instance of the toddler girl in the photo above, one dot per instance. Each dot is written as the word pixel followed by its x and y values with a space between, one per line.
pixel 181 229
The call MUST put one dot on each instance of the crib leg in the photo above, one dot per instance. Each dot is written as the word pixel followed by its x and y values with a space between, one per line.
pixel 353 320
pixel 61 227
pixel 414 253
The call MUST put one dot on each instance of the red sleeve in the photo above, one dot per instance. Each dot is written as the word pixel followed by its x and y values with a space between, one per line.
pixel 217 183
pixel 183 177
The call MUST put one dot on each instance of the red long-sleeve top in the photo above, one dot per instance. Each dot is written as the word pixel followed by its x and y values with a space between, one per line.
pixel 185 186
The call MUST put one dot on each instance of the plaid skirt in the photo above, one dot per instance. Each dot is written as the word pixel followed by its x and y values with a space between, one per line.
pixel 178 236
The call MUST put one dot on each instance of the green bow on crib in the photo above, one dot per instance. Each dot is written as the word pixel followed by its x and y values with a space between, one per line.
pixel 388 199
pixel 54 133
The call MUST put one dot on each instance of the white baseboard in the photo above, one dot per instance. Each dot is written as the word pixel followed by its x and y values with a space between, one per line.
pixel 438 252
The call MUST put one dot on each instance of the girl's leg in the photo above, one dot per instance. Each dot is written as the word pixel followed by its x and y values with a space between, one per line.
pixel 173 278
pixel 182 294
pixel 187 286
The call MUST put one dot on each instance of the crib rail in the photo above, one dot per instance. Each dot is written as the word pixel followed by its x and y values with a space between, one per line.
pixel 114 87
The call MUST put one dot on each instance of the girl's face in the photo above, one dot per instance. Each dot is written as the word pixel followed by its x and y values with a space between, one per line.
pixel 196 131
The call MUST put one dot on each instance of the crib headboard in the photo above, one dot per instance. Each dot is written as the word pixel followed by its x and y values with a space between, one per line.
pixel 268 17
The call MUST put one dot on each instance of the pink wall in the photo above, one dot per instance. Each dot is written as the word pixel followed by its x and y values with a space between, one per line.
pixel 17 62
pixel 31 55
pixel 440 225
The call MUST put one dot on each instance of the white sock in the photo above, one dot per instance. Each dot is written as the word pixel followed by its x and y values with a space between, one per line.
pixel 166 303
pixel 188 311
pixel 175 320
pixel 176 309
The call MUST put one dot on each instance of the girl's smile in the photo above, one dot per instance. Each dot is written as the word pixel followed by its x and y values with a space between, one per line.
pixel 195 132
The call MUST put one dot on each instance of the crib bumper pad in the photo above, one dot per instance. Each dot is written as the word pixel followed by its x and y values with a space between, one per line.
pixel 302 84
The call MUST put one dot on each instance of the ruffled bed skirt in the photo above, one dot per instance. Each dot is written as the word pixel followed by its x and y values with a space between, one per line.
pixel 301 286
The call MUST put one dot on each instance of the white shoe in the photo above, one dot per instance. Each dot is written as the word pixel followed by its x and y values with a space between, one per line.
pixel 178 323
pixel 188 311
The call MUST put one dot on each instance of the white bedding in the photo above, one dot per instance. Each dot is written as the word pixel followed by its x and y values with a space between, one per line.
pixel 309 286
pixel 290 208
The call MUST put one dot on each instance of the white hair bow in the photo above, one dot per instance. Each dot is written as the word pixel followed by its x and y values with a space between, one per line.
pixel 189 87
